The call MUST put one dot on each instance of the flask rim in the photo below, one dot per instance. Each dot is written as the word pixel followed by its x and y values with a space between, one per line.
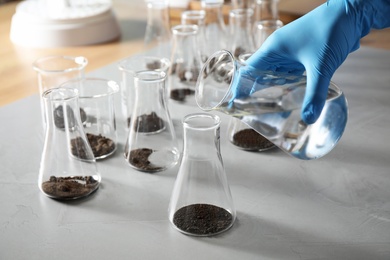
pixel 201 121
pixel 40 64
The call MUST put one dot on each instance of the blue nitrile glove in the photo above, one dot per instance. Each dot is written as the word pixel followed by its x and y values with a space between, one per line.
pixel 318 43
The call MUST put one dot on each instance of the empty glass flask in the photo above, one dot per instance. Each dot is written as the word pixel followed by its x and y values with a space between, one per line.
pixel 270 103
pixel 240 24
pixel 96 101
pixel 157 34
pixel 263 29
pixel 128 68
pixel 215 27
pixel 68 169
pixel 266 10
pixel 151 145
pixel 201 203
pixel 185 64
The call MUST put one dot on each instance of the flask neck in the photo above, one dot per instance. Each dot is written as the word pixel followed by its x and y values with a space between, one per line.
pixel 201 136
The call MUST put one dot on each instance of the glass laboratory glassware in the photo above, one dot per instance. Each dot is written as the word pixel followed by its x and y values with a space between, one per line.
pixel 242 135
pixel 54 70
pixel 96 97
pixel 240 24
pixel 129 67
pixel 151 145
pixel 68 168
pixel 266 10
pixel 215 27
pixel 185 64
pixel 238 4
pixel 263 29
pixel 270 103
pixel 197 17
pixel 201 203
pixel 157 34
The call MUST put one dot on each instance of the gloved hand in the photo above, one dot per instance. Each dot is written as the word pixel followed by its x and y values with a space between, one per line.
pixel 318 43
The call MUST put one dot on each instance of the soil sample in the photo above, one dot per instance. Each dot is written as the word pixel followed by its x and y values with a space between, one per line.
pixel 202 219
pixel 249 139
pixel 181 94
pixel 149 123
pixel 155 65
pixel 69 187
pixel 100 145
pixel 139 158
pixel 59 119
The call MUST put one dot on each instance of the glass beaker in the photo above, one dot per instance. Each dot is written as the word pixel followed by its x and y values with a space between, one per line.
pixel 54 70
pixel 197 17
pixel 215 27
pixel 151 145
pixel 201 203
pixel 129 67
pixel 240 24
pixel 96 97
pixel 266 10
pixel 265 28
pixel 157 34
pixel 270 102
pixel 185 64
pixel 68 169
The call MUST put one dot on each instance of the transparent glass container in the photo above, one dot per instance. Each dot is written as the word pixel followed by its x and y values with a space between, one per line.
pixel 128 68
pixel 55 70
pixel 197 17
pixel 240 24
pixel 271 103
pixel 266 10
pixel 201 203
pixel 215 28
pixel 263 29
pixel 185 64
pixel 96 98
pixel 151 145
pixel 68 168
pixel 157 37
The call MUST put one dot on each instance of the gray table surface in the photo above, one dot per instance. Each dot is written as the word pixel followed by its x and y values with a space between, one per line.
pixel 336 207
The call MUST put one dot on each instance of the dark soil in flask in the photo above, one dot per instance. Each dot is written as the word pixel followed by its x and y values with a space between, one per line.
pixel 69 187
pixel 202 219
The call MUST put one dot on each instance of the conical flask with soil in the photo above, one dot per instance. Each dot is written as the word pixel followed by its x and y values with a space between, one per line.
pixel 68 168
pixel 185 64
pixel 151 145
pixel 201 203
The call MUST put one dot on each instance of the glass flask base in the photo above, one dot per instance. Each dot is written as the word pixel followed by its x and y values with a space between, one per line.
pixel 202 220
pixel 70 187
pixel 149 160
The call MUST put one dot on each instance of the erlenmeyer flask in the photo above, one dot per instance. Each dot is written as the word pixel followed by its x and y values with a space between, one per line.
pixel 263 29
pixel 243 136
pixel 151 144
pixel 240 24
pixel 55 70
pixel 215 28
pixel 270 103
pixel 197 17
pixel 157 34
pixel 201 203
pixel 185 64
pixel 129 67
pixel 266 10
pixel 68 169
